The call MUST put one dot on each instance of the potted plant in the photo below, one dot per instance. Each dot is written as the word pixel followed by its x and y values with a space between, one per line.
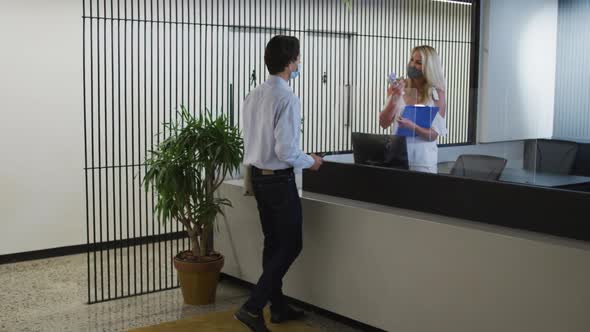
pixel 185 171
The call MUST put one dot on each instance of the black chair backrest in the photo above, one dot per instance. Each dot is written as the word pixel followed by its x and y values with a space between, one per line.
pixel 550 156
pixel 479 166
pixel 582 163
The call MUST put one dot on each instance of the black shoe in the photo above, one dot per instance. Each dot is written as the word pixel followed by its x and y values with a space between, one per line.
pixel 285 314
pixel 253 322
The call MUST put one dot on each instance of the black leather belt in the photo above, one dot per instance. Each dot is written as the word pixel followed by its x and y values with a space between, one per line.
pixel 262 172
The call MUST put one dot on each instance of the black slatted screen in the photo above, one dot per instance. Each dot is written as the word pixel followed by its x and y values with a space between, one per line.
pixel 144 58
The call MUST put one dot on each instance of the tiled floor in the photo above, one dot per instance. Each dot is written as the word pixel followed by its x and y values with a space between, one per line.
pixel 51 295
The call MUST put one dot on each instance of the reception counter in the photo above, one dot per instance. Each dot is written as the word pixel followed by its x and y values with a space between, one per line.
pixel 403 270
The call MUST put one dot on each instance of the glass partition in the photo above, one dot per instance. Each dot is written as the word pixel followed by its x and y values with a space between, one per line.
pixel 515 150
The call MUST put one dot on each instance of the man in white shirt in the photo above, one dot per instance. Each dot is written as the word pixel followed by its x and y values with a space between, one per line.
pixel 272 127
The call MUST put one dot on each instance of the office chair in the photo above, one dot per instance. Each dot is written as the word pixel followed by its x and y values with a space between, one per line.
pixel 550 156
pixel 445 167
pixel 582 163
pixel 479 166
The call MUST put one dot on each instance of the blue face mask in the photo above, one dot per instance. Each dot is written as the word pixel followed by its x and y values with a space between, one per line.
pixel 295 74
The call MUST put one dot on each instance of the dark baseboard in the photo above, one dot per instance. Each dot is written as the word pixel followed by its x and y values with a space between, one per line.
pixel 83 248
pixel 309 307
pixel 41 254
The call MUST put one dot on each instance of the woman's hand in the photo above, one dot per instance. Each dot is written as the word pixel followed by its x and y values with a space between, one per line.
pixel 396 88
pixel 405 123
pixel 394 92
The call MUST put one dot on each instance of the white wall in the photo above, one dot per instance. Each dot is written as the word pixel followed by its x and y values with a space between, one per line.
pixel 41 128
pixel 517 74
pixel 42 195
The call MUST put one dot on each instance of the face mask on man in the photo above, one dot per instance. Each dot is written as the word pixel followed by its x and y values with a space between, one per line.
pixel 295 74
pixel 414 73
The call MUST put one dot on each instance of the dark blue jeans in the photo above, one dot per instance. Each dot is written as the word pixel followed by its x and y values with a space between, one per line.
pixel 279 207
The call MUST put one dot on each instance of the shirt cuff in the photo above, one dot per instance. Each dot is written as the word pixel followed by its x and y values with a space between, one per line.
pixel 310 161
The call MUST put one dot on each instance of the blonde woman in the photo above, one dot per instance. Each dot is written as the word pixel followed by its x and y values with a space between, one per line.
pixel 427 82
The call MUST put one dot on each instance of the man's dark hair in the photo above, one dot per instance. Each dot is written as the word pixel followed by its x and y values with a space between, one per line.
pixel 279 52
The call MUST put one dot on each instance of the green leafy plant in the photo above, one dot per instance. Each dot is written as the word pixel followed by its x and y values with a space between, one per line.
pixel 348 4
pixel 188 167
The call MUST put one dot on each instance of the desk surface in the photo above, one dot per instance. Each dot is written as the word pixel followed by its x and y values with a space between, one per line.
pixel 513 175
pixel 524 176
pixel 541 179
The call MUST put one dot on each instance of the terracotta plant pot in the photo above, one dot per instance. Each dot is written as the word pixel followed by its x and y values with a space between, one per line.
pixel 198 281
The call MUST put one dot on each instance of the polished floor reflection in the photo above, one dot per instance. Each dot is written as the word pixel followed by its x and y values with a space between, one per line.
pixel 51 295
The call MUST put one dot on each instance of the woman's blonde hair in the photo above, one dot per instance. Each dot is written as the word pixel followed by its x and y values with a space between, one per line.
pixel 432 69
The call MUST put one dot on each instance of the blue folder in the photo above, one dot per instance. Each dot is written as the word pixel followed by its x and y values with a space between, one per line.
pixel 421 115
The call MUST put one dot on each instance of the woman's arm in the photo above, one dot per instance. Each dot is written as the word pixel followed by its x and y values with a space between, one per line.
pixel 394 93
pixel 386 116
pixel 441 103
pixel 426 133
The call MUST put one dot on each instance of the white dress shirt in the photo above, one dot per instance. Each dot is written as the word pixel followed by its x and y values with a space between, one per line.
pixel 272 127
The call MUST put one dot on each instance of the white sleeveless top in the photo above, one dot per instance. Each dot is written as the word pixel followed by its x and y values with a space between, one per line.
pixel 423 153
